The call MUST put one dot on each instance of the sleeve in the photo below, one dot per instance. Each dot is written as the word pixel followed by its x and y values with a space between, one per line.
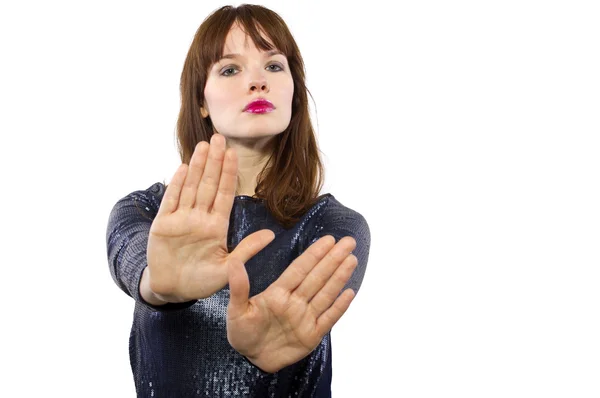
pixel 126 242
pixel 340 221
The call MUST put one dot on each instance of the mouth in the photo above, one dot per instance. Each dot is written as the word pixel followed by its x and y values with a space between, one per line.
pixel 258 109
pixel 259 106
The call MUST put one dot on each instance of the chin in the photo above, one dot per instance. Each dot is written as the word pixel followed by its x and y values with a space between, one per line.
pixel 260 134
pixel 263 129
pixel 255 128
pixel 252 133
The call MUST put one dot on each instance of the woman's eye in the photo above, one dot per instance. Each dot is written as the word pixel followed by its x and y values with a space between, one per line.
pixel 225 70
pixel 275 65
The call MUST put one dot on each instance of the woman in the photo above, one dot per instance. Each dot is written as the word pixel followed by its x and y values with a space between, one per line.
pixel 238 268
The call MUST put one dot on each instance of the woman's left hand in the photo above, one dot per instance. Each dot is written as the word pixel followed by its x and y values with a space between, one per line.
pixel 288 320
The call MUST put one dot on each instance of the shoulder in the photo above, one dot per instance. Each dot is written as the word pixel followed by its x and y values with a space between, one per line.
pixel 133 212
pixel 150 197
pixel 144 202
pixel 334 218
pixel 154 191
pixel 334 211
pixel 339 221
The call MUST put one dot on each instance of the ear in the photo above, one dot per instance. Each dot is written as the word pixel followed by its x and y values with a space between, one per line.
pixel 203 112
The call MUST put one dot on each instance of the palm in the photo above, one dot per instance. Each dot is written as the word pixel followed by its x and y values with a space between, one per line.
pixel 199 241
pixel 287 321
pixel 275 322
pixel 187 244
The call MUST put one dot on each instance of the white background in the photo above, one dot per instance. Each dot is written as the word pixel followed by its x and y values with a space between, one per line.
pixel 466 133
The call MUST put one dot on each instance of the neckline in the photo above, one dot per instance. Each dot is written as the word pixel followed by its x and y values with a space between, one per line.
pixel 247 197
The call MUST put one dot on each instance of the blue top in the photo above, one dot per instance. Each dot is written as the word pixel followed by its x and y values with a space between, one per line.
pixel 181 350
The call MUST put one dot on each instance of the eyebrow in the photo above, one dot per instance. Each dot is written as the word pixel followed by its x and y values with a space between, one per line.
pixel 269 54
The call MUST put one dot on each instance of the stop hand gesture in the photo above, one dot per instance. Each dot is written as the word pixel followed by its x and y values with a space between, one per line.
pixel 287 321
pixel 187 246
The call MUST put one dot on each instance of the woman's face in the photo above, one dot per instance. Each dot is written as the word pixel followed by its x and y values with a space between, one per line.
pixel 234 82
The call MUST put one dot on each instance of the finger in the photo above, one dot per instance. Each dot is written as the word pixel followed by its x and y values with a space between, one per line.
pixel 301 266
pixel 195 171
pixel 327 295
pixel 252 244
pixel 333 314
pixel 205 197
pixel 239 289
pixel 226 192
pixel 320 275
pixel 170 199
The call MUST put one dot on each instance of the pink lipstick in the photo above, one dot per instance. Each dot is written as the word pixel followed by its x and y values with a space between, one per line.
pixel 259 105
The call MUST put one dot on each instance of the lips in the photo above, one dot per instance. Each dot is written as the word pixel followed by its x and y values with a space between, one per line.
pixel 259 105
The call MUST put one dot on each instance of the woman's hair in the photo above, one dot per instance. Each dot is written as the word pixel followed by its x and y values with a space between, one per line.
pixel 293 175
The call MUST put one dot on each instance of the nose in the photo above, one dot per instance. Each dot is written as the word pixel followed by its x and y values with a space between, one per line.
pixel 258 83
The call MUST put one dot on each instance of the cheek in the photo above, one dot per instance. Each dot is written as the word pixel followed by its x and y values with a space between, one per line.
pixel 289 90
pixel 218 99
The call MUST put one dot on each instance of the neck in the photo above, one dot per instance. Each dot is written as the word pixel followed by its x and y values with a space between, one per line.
pixel 252 157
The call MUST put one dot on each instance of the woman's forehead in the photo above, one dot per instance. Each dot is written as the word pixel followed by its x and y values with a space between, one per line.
pixel 237 38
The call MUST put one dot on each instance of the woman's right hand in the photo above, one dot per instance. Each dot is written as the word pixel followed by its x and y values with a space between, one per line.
pixel 187 246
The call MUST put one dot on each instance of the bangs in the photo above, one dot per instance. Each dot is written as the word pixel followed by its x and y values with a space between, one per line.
pixel 261 29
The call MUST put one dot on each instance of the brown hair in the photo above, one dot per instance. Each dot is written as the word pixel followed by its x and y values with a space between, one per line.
pixel 293 175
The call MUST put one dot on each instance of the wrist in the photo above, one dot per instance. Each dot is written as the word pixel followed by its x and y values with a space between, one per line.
pixel 263 367
pixel 146 292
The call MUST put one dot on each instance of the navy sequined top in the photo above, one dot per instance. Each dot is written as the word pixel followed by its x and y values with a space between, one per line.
pixel 181 350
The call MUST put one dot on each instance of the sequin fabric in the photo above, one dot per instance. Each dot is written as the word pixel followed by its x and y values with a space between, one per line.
pixel 181 350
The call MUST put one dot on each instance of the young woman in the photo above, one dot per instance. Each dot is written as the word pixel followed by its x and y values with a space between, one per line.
pixel 238 268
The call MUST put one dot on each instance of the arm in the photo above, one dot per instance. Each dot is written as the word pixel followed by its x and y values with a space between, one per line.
pixel 339 221
pixel 127 240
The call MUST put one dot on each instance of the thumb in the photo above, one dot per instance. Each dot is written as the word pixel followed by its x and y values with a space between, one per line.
pixel 252 244
pixel 239 288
